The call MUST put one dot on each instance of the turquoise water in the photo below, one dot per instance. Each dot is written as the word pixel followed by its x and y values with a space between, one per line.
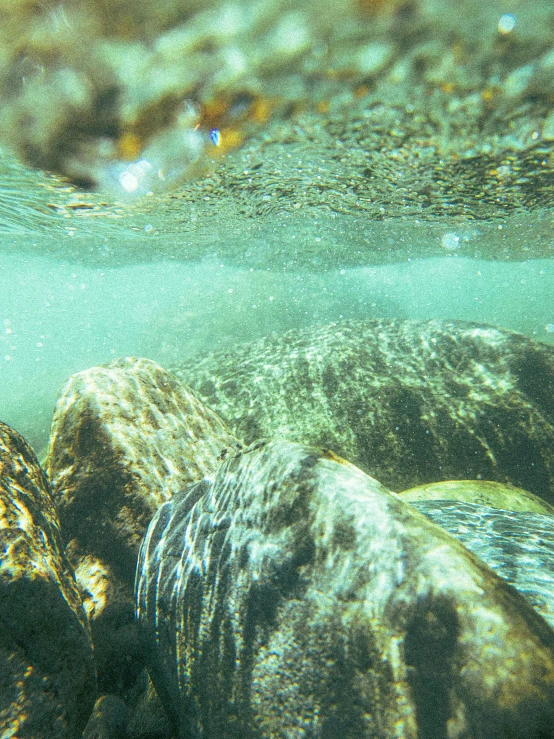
pixel 219 171
pixel 428 198
pixel 58 317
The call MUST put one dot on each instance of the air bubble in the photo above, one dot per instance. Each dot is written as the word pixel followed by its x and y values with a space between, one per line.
pixel 507 23
pixel 450 241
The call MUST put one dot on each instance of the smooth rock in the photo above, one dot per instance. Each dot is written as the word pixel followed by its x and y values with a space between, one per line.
pixel 124 438
pixel 518 546
pixel 47 678
pixel 410 402
pixel 481 492
pixel 293 595
pixel 510 529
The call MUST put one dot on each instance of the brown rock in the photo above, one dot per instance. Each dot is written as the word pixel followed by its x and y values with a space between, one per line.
pixel 124 438
pixel 47 674
pixel 294 595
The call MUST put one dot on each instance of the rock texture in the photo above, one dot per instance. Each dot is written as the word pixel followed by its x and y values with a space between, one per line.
pixel 124 438
pixel 409 402
pixel 517 546
pixel 47 679
pixel 109 719
pixel 510 529
pixel 481 492
pixel 294 595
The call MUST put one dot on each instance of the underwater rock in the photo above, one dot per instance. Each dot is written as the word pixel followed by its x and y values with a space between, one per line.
pixel 46 662
pixel 517 546
pixel 124 438
pixel 410 402
pixel 500 525
pixel 109 719
pixel 148 719
pixel 506 527
pixel 294 594
pixel 481 492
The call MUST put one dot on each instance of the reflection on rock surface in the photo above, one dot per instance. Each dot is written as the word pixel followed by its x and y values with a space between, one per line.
pixel 46 661
pixel 408 401
pixel 280 588
pixel 294 593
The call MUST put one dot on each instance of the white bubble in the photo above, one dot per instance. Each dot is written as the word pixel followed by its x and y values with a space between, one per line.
pixel 450 241
pixel 507 23
pixel 126 178
pixel 129 181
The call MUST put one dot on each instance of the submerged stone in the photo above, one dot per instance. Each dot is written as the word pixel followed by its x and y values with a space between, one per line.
pixel 508 528
pixel 47 673
pixel 124 438
pixel 236 576
pixel 481 492
pixel 410 402
pixel 293 594
pixel 109 719
pixel 517 546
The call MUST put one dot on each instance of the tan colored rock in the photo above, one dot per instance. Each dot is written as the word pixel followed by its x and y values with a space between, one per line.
pixel 507 528
pixel 294 595
pixel 47 673
pixel 125 437
pixel 482 492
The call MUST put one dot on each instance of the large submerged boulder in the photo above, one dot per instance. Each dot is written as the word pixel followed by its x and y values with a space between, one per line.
pixel 47 677
pixel 410 402
pixel 295 595
pixel 280 589
pixel 124 438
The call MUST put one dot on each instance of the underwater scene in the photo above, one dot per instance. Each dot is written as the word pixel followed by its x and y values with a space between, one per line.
pixel 277 369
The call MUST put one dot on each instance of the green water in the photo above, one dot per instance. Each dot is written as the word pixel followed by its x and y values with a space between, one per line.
pixel 60 316
pixel 402 204
pixel 75 291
